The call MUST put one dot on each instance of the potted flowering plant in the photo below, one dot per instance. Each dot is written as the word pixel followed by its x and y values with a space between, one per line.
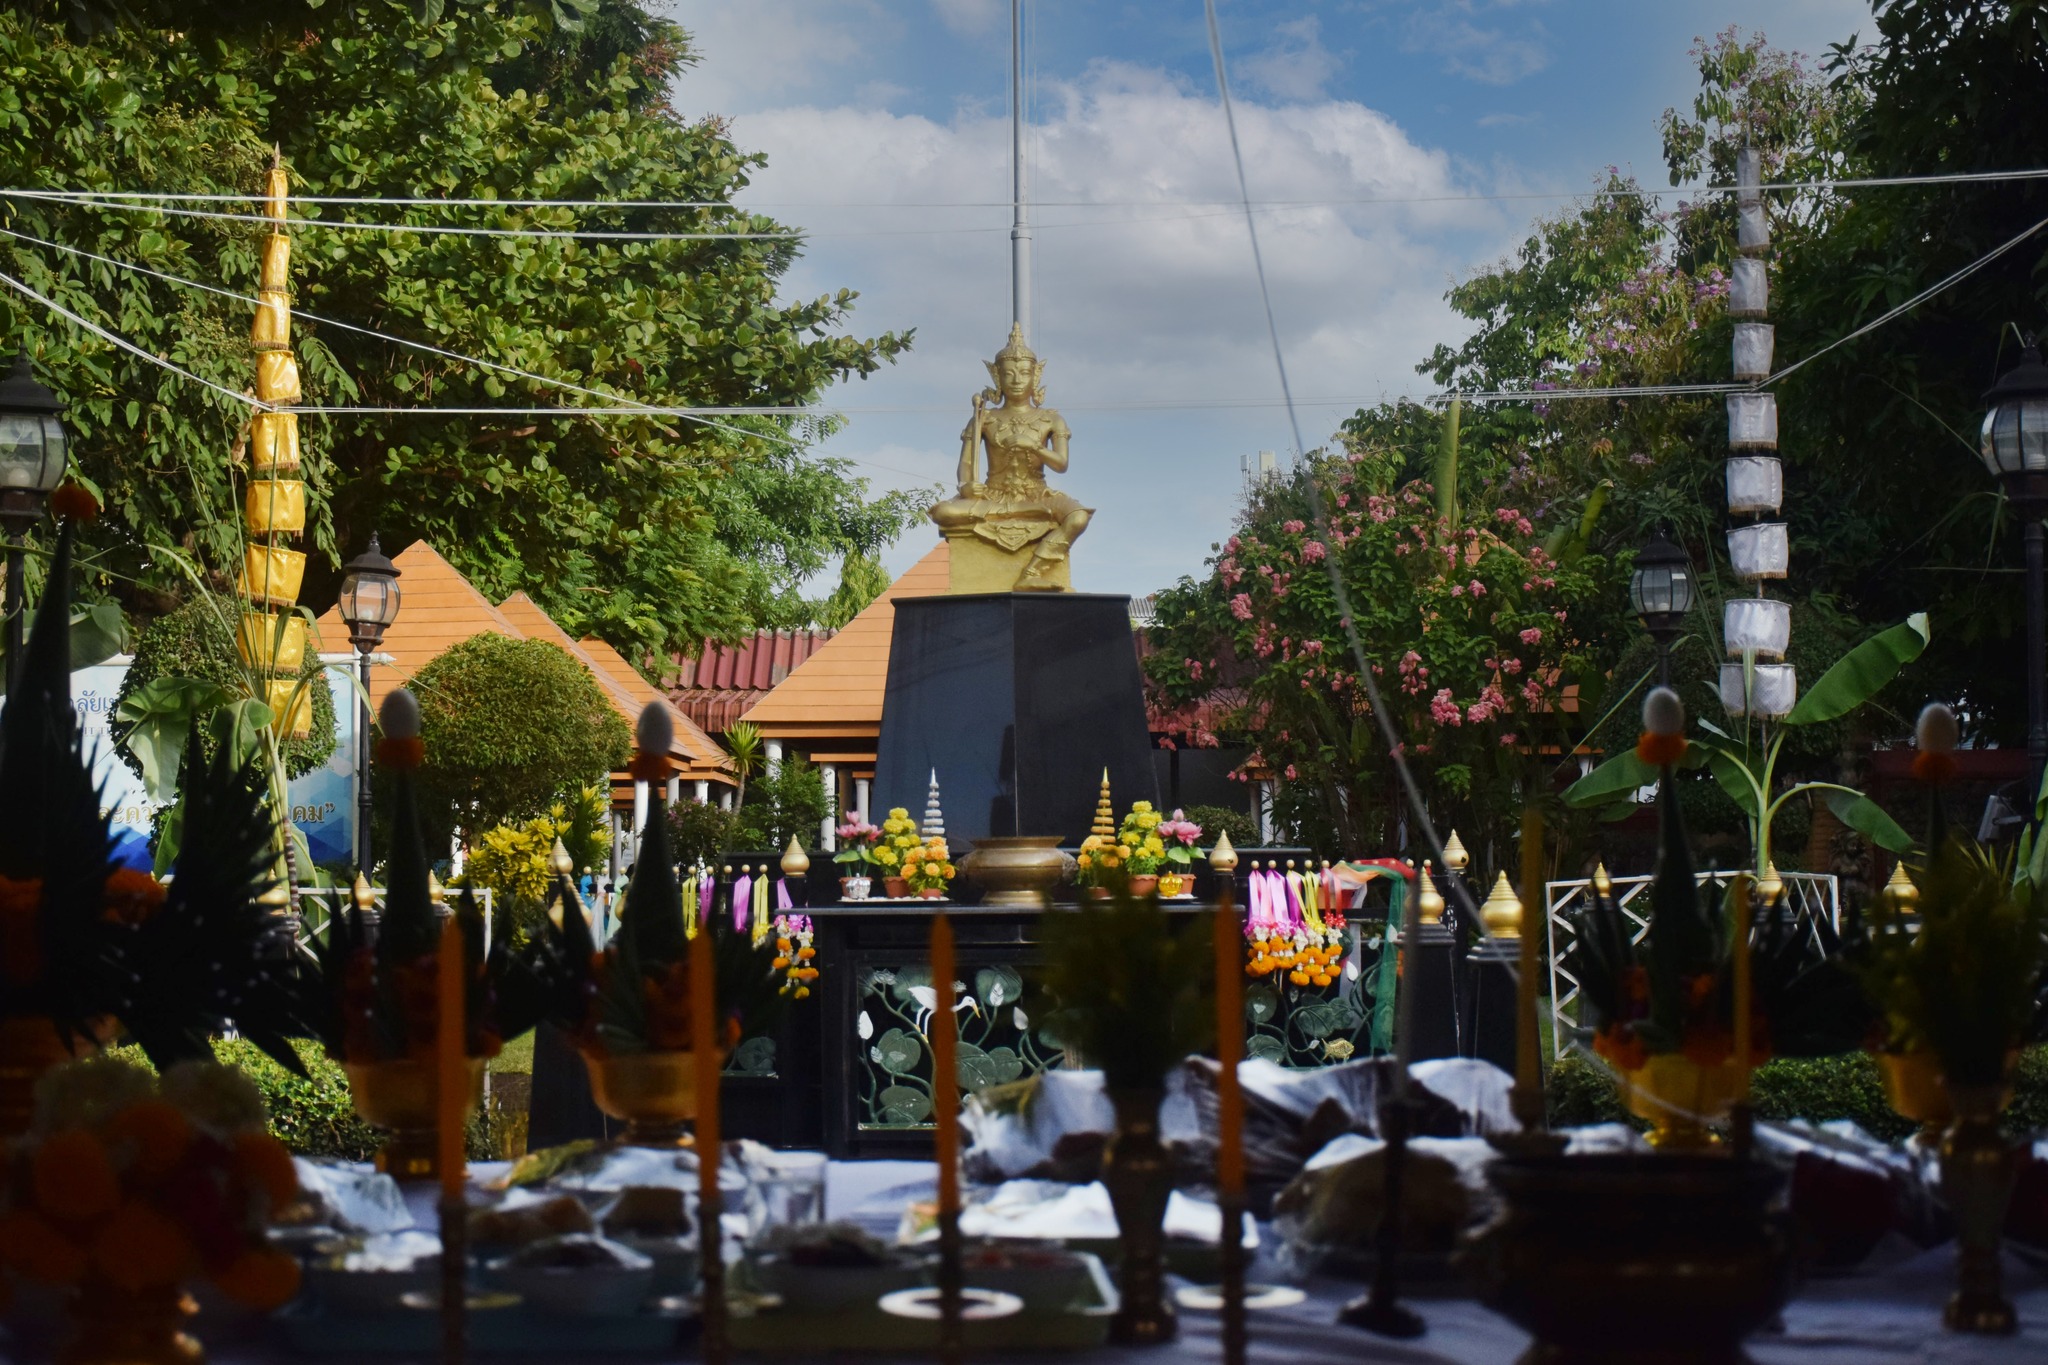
pixel 1100 865
pixel 899 836
pixel 1181 837
pixel 128 1188
pixel 928 868
pixel 857 840
pixel 1144 849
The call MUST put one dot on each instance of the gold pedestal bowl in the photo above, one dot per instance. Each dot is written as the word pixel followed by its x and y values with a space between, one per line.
pixel 1020 870
pixel 653 1093
pixel 403 1096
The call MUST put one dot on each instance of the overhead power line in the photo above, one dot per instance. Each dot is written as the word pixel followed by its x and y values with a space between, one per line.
pixel 1235 206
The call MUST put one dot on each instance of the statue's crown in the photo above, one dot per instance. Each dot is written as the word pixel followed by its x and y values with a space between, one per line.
pixel 1015 345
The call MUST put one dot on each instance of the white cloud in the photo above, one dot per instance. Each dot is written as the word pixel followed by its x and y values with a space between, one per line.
pixel 1297 66
pixel 1148 312
pixel 970 17
pixel 1494 42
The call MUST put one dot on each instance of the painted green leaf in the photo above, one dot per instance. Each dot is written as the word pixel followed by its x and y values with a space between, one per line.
pixel 1858 675
pixel 899 1051
pixel 995 987
pixel 900 1104
pixel 1267 1046
pixel 754 1057
pixel 1261 1003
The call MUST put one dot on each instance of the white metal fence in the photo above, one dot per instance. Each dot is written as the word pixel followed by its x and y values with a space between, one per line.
pixel 317 905
pixel 1810 897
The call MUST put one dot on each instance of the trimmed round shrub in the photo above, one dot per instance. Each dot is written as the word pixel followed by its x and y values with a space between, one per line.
pixel 509 726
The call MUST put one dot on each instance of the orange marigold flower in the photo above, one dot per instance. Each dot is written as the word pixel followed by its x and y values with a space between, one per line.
pixel 1635 985
pixel 1622 1048
pixel 74 501
pixel 264 1278
pixel 158 1133
pixel 73 1179
pixel 263 1162
pixel 21 942
pixel 1699 989
pixel 1660 750
pixel 131 896
pixel 139 1248
pixel 1933 767
pixel 34 1247
pixel 1709 1046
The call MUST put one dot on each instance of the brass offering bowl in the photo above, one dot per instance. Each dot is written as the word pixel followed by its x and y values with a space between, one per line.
pixel 402 1096
pixel 1021 870
pixel 653 1093
pixel 1665 1259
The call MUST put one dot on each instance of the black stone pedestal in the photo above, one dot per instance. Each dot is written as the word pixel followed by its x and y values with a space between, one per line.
pixel 1429 968
pixel 1494 995
pixel 1018 701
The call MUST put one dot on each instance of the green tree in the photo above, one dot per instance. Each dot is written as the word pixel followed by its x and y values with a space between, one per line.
pixel 509 726
pixel 788 803
pixel 652 532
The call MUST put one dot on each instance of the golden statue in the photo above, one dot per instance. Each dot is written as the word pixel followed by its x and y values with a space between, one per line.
pixel 1011 533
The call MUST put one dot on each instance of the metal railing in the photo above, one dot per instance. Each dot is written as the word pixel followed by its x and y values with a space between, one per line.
pixel 1810 898
pixel 317 905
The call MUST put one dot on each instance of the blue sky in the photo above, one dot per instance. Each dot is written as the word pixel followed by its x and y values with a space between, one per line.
pixel 874 111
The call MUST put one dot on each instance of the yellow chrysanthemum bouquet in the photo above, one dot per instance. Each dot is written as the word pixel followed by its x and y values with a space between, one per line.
pixel 1144 849
pixel 928 867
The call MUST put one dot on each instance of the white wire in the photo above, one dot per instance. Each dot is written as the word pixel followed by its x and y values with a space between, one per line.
pixel 1382 718
pixel 61 311
pixel 1235 205
pixel 430 229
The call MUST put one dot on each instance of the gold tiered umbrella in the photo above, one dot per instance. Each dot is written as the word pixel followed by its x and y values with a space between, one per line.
pixel 272 638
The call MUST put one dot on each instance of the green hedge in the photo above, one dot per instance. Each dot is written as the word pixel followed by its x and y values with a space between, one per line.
pixel 1817 1089
pixel 313 1117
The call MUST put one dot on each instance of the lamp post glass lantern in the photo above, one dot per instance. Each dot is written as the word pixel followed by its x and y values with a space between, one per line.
pixel 2014 448
pixel 1661 591
pixel 369 604
pixel 33 452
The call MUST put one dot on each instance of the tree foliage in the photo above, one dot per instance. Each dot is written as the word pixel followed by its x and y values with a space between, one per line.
pixel 197 641
pixel 651 532
pixel 509 726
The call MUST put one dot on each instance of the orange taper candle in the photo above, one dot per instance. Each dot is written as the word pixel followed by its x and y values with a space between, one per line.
pixel 945 1066
pixel 1229 944
pixel 452 1059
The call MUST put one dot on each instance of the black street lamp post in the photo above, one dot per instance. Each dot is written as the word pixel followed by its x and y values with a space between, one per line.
pixel 2015 449
pixel 369 604
pixel 1661 590
pixel 32 457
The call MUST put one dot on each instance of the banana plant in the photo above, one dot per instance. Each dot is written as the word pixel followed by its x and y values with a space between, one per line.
pixel 1745 762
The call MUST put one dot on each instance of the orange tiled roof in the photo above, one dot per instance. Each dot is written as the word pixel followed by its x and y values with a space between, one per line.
pixel 690 736
pixel 440 608
pixel 837 692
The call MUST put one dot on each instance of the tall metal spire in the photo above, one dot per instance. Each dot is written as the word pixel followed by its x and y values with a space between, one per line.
pixel 1020 211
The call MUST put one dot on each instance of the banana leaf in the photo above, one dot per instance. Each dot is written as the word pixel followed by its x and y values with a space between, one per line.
pixel 1622 774
pixel 1867 818
pixel 1858 675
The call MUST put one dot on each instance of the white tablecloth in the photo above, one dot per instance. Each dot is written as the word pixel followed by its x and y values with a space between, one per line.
pixel 1887 1314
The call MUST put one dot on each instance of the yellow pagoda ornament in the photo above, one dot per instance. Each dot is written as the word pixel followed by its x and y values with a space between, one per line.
pixel 1502 912
pixel 1429 902
pixel 272 637
pixel 1105 814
